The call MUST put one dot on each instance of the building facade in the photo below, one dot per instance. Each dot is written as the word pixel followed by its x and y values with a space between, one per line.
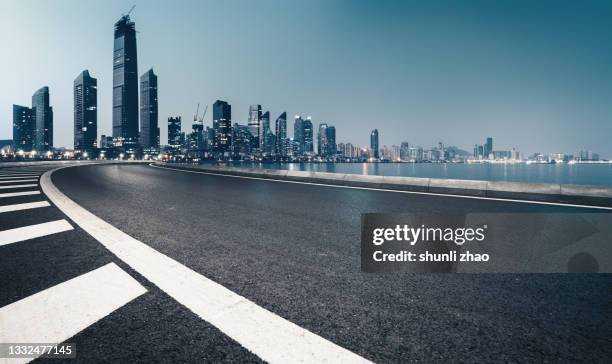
pixel 222 124
pixel 149 124
pixel 85 113
pixel 374 144
pixel 174 133
pixel 281 134
pixel 125 84
pixel 23 128
pixel 43 120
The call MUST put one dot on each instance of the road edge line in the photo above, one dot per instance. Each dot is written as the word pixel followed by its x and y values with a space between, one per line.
pixel 389 190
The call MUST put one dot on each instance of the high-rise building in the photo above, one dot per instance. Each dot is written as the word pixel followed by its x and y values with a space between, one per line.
pixel 253 123
pixel 404 151
pixel 330 136
pixel 302 135
pixel 374 143
pixel 222 123
pixel 174 132
pixel 43 119
pixel 308 137
pixel 241 140
pixel 322 140
pixel 264 126
pixel 85 113
pixel 488 147
pixel 23 128
pixel 125 84
pixel 149 125
pixel 281 135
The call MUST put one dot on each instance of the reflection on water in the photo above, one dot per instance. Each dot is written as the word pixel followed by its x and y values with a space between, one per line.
pixel 585 174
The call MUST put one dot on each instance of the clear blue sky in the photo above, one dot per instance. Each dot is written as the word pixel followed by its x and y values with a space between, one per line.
pixel 535 75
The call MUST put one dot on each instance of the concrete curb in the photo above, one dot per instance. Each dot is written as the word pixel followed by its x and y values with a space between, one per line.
pixel 545 192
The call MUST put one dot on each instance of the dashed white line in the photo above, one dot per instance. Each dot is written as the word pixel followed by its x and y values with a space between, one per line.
pixel 20 180
pixel 33 231
pixel 62 311
pixel 16 194
pixel 23 206
pixel 269 336
pixel 17 186
pixel 20 176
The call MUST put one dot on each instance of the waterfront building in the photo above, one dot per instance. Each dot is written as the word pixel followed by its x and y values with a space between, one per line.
pixel 264 127
pixel 241 141
pixel 23 128
pixel 374 143
pixel 222 123
pixel 125 85
pixel 85 113
pixel 174 133
pixel 149 124
pixel 254 123
pixel 43 120
pixel 281 135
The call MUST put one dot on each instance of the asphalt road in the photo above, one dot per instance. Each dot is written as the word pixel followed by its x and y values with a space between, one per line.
pixel 294 249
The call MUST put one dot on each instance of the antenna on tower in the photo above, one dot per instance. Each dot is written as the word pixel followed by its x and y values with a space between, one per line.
pixel 130 12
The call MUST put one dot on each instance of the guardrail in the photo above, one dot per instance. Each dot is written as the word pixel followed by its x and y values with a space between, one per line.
pixel 547 192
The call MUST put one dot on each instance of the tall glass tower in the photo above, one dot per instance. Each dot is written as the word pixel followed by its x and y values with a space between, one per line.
pixel 222 123
pixel 23 128
pixel 43 119
pixel 85 113
pixel 374 143
pixel 281 135
pixel 125 84
pixel 148 111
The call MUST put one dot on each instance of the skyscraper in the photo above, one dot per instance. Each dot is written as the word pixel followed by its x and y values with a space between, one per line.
pixel 488 147
pixel 43 118
pixel 264 126
pixel 307 132
pixel 125 84
pixel 23 128
pixel 254 121
pixel 85 113
pixel 222 123
pixel 330 138
pixel 374 143
pixel 149 126
pixel 322 140
pixel 174 132
pixel 281 135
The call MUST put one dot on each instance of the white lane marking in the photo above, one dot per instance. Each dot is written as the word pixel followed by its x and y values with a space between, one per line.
pixel 15 194
pixel 395 191
pixel 20 180
pixel 62 311
pixel 20 176
pixel 267 335
pixel 18 186
pixel 33 231
pixel 23 206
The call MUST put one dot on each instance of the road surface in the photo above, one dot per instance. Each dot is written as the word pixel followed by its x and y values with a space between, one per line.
pixel 293 249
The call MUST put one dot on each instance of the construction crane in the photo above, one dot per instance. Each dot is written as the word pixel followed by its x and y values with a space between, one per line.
pixel 130 12
pixel 195 117
pixel 204 114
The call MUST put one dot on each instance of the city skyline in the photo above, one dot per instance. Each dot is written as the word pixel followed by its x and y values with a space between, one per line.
pixel 353 123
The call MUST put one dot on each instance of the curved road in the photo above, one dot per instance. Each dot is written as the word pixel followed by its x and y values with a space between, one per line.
pixel 294 250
